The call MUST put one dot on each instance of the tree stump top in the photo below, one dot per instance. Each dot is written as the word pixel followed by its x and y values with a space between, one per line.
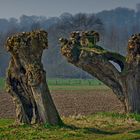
pixel 79 42
pixel 24 40
pixel 133 48
pixel 26 50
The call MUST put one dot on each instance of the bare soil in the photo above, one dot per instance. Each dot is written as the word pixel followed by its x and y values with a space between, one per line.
pixel 69 103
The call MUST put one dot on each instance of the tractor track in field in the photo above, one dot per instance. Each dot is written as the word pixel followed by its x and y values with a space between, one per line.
pixel 71 103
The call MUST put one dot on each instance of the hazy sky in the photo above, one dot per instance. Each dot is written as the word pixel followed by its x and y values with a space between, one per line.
pixel 48 8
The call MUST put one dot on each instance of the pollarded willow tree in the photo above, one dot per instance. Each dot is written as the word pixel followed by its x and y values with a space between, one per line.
pixel 26 79
pixel 81 50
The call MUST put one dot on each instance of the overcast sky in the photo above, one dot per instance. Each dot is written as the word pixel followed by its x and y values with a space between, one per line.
pixel 49 8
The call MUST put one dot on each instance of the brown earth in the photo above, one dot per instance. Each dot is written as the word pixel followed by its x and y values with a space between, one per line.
pixel 68 103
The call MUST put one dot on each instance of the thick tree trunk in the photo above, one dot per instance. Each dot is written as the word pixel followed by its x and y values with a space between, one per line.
pixel 132 91
pixel 98 62
pixel 26 79
pixel 131 84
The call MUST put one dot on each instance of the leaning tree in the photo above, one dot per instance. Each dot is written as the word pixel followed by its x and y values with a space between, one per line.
pixel 26 79
pixel 80 50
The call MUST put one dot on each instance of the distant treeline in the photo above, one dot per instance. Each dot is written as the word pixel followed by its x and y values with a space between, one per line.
pixel 115 27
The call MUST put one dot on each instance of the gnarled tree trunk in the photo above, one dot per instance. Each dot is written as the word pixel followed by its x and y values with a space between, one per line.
pixel 26 79
pixel 98 62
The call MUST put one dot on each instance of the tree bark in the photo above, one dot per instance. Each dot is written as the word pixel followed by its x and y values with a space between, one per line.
pixel 98 62
pixel 26 79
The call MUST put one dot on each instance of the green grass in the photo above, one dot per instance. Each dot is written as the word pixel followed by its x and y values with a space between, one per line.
pixel 69 84
pixel 73 82
pixel 101 126
pixel 2 83
pixel 55 87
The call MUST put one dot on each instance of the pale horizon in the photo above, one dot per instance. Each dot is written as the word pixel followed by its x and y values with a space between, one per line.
pixel 53 8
